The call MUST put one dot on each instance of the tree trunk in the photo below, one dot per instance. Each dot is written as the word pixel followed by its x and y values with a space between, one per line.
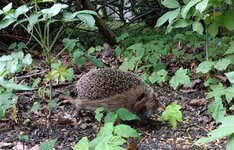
pixel 101 24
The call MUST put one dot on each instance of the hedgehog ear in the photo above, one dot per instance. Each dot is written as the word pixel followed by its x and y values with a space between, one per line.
pixel 141 97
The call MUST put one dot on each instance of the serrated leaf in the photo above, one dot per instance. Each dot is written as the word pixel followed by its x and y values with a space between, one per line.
pixel 125 115
pixel 217 110
pixel 230 76
pixel 107 129
pixel 222 64
pixel 180 77
pixel 216 91
pixel 171 3
pixel 172 114
pixel 197 26
pixel 159 76
pixel 126 131
pixel 205 67
pixel 83 144
pixel 48 145
pixel 225 129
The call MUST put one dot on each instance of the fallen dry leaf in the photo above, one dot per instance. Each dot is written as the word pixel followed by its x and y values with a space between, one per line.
pixel 198 102
pixel 19 146
pixel 3 144
pixel 36 147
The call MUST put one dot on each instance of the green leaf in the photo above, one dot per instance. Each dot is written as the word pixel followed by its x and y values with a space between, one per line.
pixel 14 86
pixel 180 77
pixel 205 67
pixel 36 82
pixel 2 112
pixel 96 62
pixel 229 93
pixel 87 19
pixel 230 76
pixel 126 131
pixel 172 114
pixel 54 10
pixel 24 138
pixel 52 104
pixel 171 3
pixel 222 64
pixel 48 145
pixel 197 26
pixel 99 113
pixel 217 91
pixel 125 115
pixel 7 8
pixel 110 117
pixel 229 21
pixel 230 50
pixel 225 129
pixel 188 7
pixel 159 76
pixel 213 29
pixel 106 130
pixel 27 60
pixel 129 64
pixel 201 6
pixel 7 100
pixel 21 10
pixel 169 16
pixel 182 23
pixel 36 106
pixel 6 22
pixel 33 19
pixel 83 144
pixel 230 143
pixel 217 109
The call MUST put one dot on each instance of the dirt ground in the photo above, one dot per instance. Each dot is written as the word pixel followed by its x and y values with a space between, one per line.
pixel 67 127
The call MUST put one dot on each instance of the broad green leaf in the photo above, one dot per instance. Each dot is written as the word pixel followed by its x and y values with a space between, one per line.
pixel 229 93
pixel 21 10
pixel 180 77
pixel 33 19
pixel 172 114
pixel 213 29
pixel 27 60
pixel 70 16
pixel 110 117
pixel 52 104
pixel 2 112
pixel 159 76
pixel 225 129
pixel 96 62
pixel 36 106
pixel 125 115
pixel 205 67
pixel 83 144
pixel 90 12
pixel 216 91
pixel 201 6
pixel 48 145
pixel 126 131
pixel 171 3
pixel 87 19
pixel 169 16
pixel 7 100
pixel 106 130
pixel 230 76
pixel 197 26
pixel 230 50
pixel 229 21
pixel 99 113
pixel 129 64
pixel 228 2
pixel 211 81
pixel 54 10
pixel 230 143
pixel 222 64
pixel 217 110
pixel 6 22
pixel 181 23
pixel 188 6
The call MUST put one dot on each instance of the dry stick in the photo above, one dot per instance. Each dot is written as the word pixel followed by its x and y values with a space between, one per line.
pixel 174 139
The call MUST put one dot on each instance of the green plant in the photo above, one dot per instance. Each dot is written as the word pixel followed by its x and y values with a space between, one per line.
pixel 80 55
pixel 110 136
pixel 48 145
pixel 9 65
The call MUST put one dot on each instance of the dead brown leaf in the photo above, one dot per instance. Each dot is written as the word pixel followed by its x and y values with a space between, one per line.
pixel 198 102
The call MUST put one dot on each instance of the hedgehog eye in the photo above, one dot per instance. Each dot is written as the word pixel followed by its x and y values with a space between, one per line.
pixel 141 97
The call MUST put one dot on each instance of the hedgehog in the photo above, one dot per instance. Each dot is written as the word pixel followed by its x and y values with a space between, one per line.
pixel 112 89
